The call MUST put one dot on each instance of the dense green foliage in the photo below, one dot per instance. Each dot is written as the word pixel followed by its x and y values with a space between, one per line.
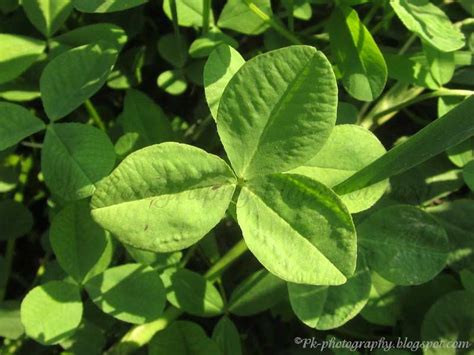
pixel 236 176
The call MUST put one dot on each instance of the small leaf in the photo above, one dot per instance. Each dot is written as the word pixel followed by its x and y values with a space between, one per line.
pixel 142 116
pixel 237 16
pixel 52 312
pixel 204 45
pixel 220 67
pixel 47 15
pixel 17 53
pixel 100 6
pixel 16 123
pixel 172 81
pixel 257 293
pixel 192 293
pixel 227 337
pixel 87 340
pixel 277 211
pixel 132 293
pixel 164 197
pixel 277 111
pixel 183 338
pixel 82 248
pixel 430 23
pixel 348 149
pixel 357 55
pixel 64 87
pixel 74 158
pixel 440 64
pixel 173 51
pixel 328 307
pixel 403 244
pixel 16 220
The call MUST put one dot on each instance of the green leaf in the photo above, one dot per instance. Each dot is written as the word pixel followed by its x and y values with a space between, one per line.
pixel 227 337
pixel 277 111
pixel 155 260
pixel 346 113
pixel 440 64
pixel 132 293
pixel 52 312
pixel 17 53
pixel 467 279
pixel 64 87
pixel 204 45
pixel 430 23
pixel 189 12
pixel 172 81
pixel 142 116
pixel 87 340
pixel 257 293
pixel 10 322
pixel 164 197
pixel 16 123
pixel 328 307
pixel 364 72
pixel 237 16
pixel 404 244
pixel 220 67
pixel 82 248
pixel 450 319
pixel 74 158
pixel 456 218
pixel 447 131
pixel 47 15
pixel 280 210
pixel 468 173
pixel 192 293
pixel 128 71
pixel 16 220
pixel 88 34
pixel 183 338
pixel 101 6
pixel 348 149
pixel 173 51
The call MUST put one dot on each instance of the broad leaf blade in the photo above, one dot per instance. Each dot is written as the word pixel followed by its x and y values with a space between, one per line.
pixel 47 15
pixel 101 6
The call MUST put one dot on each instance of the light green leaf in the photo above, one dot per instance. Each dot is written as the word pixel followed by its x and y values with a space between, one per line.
pixel 348 149
pixel 277 111
pixel 101 6
pixel 456 218
pixel 142 116
pixel 237 16
pixel 468 173
pixel 430 23
pixel 364 72
pixel 17 53
pixel 204 45
pixel 257 293
pixel 64 87
pixel 155 260
pixel 189 12
pixel 16 220
pixel 449 320
pixel 183 338
pixel 52 312
pixel 164 197
pixel 220 67
pixel 16 123
pixel 82 248
pixel 441 64
pixel 227 337
pixel 404 244
pixel 192 293
pixel 282 210
pixel 74 158
pixel 10 322
pixel 47 15
pixel 328 307
pixel 132 293
pixel 172 81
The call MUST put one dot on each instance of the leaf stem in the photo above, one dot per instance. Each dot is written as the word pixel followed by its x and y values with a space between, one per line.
pixel 141 335
pixel 94 114
pixel 272 22
pixel 177 33
pixel 206 10
pixel 291 17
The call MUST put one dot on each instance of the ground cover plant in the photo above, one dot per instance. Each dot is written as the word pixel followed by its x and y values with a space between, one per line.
pixel 236 176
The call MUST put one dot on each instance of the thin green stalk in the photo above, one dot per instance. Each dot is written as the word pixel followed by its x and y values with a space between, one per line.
pixel 10 250
pixel 141 335
pixel 177 33
pixel 407 44
pixel 206 8
pixel 370 15
pixel 291 17
pixel 273 23
pixel 94 115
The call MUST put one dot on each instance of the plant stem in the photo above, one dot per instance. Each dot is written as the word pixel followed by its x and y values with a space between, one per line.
pixel 206 8
pixel 273 23
pixel 177 33
pixel 291 17
pixel 407 44
pixel 94 114
pixel 141 335
pixel 10 250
